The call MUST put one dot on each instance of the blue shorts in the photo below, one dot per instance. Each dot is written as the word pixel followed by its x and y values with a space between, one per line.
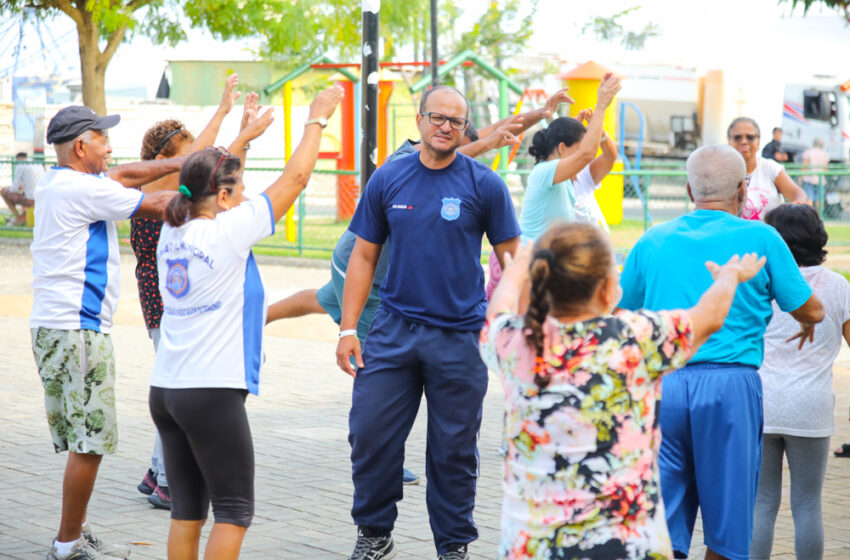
pixel 711 434
pixel 330 298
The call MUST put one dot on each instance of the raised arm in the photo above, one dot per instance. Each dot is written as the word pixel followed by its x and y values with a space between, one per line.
pixel 358 282
pixel 531 118
pixel 508 293
pixel 709 314
pixel 296 174
pixel 138 173
pixel 602 165
pixel 228 99
pixel 589 145
pixel 504 135
pixel 205 138
pixel 250 112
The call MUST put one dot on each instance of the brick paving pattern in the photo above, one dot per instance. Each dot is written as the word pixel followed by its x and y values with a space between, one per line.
pixel 299 422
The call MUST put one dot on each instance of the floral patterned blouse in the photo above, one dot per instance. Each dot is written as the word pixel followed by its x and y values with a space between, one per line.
pixel 581 477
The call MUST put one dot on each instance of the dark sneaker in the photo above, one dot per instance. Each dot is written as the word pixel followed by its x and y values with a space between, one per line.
pixel 409 478
pixel 373 548
pixel 160 498
pixel 82 550
pixel 106 550
pixel 148 483
pixel 459 552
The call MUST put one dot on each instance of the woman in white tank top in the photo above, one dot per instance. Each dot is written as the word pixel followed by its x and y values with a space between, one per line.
pixel 767 181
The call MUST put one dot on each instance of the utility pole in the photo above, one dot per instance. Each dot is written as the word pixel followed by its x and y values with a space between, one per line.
pixel 369 80
pixel 434 57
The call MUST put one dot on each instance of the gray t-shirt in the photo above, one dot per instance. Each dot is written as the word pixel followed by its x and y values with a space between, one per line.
pixel 797 384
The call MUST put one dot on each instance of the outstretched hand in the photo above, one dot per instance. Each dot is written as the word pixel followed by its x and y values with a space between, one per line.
pixel 229 96
pixel 251 109
pixel 585 115
pixel 325 103
pixel 552 104
pixel 258 124
pixel 744 268
pixel 608 88
pixel 505 135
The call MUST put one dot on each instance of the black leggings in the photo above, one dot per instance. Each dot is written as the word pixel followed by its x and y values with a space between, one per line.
pixel 209 454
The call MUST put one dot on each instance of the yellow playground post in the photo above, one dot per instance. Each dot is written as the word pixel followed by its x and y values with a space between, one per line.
pixel 583 83
pixel 287 142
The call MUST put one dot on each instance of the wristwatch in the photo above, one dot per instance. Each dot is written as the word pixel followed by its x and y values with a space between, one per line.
pixel 321 121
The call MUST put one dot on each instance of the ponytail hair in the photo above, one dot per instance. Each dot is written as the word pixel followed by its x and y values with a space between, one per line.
pixel 570 261
pixel 563 129
pixel 203 174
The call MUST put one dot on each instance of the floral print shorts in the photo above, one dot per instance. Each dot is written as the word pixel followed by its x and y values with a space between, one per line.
pixel 77 369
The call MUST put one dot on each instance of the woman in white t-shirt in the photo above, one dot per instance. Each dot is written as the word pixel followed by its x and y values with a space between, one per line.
pixel 589 179
pixel 798 396
pixel 767 181
pixel 210 349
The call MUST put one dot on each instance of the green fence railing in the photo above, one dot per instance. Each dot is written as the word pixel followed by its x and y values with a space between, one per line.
pixel 663 190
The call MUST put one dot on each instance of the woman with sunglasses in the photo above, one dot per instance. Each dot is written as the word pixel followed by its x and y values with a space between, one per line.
pixel 210 348
pixel 167 139
pixel 767 181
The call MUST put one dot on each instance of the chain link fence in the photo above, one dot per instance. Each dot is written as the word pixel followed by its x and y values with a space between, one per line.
pixel 653 194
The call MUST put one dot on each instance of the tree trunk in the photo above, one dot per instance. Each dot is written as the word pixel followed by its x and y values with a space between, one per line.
pixel 93 62
pixel 94 94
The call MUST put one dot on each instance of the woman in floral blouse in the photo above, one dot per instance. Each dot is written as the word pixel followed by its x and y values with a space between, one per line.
pixel 581 384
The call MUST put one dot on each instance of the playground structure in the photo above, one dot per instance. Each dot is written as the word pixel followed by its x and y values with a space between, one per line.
pixel 583 83
pixel 347 157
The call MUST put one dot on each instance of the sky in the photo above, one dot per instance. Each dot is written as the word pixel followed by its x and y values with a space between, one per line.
pixel 743 36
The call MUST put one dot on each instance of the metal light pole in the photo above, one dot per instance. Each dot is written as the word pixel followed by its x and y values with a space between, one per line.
pixel 369 80
pixel 434 58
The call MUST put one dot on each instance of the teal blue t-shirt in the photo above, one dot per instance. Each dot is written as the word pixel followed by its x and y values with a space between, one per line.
pixel 666 270
pixel 545 203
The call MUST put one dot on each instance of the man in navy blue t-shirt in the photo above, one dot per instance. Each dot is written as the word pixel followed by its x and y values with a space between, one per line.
pixel 437 205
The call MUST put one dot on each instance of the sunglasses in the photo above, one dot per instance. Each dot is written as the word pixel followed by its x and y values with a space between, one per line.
pixel 224 154
pixel 740 137
pixel 439 119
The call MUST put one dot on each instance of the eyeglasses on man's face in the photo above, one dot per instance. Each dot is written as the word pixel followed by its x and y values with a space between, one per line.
pixel 738 138
pixel 439 119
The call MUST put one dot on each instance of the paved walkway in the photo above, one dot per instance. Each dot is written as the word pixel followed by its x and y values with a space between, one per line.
pixel 299 422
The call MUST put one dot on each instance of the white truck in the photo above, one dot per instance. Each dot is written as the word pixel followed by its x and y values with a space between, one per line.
pixel 817 109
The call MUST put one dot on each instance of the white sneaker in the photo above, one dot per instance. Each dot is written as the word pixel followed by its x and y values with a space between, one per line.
pixel 107 550
pixel 82 550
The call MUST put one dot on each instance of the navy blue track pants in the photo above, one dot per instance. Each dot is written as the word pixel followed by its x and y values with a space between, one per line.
pixel 403 359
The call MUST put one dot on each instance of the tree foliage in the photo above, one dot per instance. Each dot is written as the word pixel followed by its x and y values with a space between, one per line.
pixel 291 30
pixel 503 30
pixel 840 5
pixel 610 29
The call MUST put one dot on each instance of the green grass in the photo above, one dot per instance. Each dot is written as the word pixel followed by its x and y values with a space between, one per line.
pixel 839 233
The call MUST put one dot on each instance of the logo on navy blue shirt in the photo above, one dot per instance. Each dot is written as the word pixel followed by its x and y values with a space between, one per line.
pixel 451 209
pixel 177 277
